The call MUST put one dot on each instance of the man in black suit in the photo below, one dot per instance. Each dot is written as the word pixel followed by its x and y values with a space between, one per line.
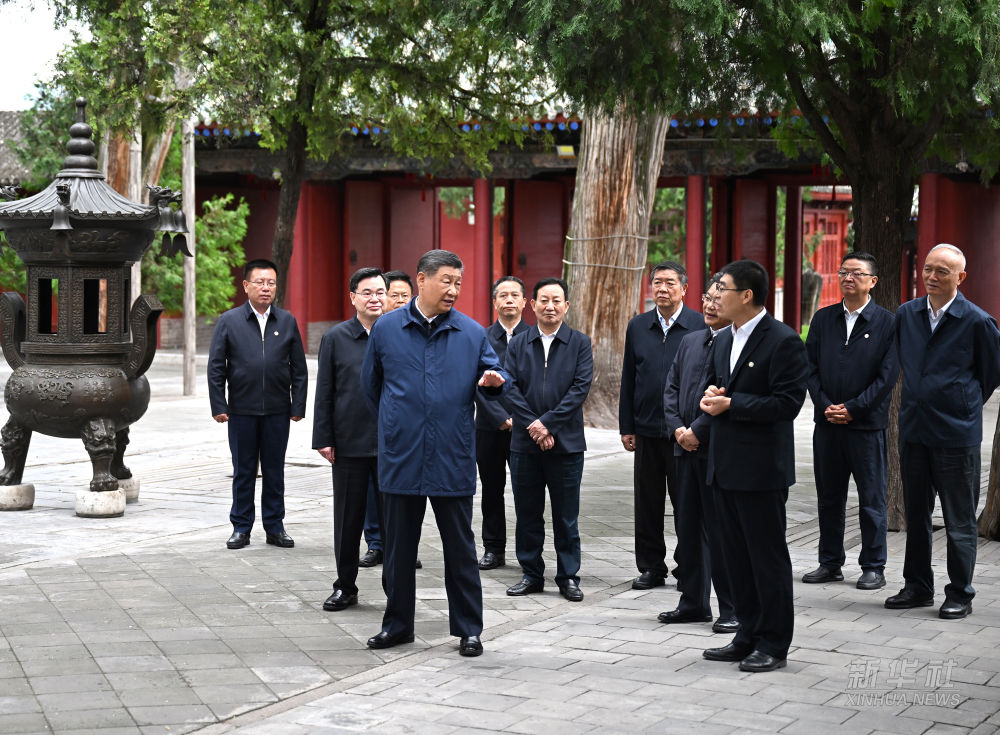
pixel 493 425
pixel 650 345
pixel 344 429
pixel 852 369
pixel 760 371
pixel 699 541
pixel 551 367
pixel 257 352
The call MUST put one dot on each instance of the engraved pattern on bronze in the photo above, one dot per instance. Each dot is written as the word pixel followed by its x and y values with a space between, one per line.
pixel 14 441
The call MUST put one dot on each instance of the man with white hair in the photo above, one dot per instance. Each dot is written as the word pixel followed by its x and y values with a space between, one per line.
pixel 949 350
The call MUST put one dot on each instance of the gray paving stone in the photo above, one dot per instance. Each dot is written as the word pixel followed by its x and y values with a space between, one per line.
pixel 168 714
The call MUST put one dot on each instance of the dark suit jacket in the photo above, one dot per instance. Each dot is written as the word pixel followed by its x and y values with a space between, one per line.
pixel 648 356
pixel 947 375
pixel 265 376
pixel 342 418
pixel 490 414
pixel 860 374
pixel 752 444
pixel 552 391
pixel 686 382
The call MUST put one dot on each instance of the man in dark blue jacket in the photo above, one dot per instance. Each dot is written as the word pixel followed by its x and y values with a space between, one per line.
pixel 852 370
pixel 699 538
pixel 420 375
pixel 493 425
pixel 949 350
pixel 344 430
pixel 257 352
pixel 551 367
pixel 650 345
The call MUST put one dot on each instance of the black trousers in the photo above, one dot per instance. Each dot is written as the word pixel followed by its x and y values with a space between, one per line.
pixel 699 541
pixel 838 453
pixel 492 456
pixel 655 477
pixel 953 474
pixel 263 440
pixel 760 570
pixel 403 516
pixel 351 479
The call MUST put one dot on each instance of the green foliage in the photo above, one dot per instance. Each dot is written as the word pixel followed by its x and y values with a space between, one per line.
pixel 219 236
pixel 45 129
pixel 12 272
pixel 666 227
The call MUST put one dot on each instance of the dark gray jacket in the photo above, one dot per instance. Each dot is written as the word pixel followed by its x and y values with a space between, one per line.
pixel 342 418
pixel 490 414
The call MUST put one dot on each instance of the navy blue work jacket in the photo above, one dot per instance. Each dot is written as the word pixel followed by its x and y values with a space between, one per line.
pixel 266 375
pixel 422 388
pixel 947 374
pixel 552 391
pixel 648 356
pixel 860 372
pixel 491 414
pixel 342 418
pixel 689 375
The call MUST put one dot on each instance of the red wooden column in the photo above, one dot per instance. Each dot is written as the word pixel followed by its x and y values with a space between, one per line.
pixel 297 285
pixel 481 309
pixel 927 232
pixel 694 250
pixel 792 315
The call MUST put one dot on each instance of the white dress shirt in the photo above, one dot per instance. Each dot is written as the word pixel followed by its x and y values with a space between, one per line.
pixel 262 319
pixel 936 318
pixel 740 337
pixel 852 316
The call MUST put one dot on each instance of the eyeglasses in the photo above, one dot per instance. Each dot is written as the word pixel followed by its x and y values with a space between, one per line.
pixel 723 288
pixel 706 299
pixel 399 295
pixel 366 294
pixel 260 283
pixel 853 274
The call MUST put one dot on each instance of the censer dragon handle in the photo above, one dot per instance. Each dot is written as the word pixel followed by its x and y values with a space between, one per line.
pixel 12 326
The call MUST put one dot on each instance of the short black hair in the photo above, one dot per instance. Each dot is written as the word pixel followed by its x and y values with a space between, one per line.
pixel 504 279
pixel 714 280
pixel 261 263
pixel 362 274
pixel 434 260
pixel 749 274
pixel 551 282
pixel 669 265
pixel 865 257
pixel 393 276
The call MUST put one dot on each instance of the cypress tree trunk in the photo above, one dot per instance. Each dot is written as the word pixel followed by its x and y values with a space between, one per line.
pixel 619 162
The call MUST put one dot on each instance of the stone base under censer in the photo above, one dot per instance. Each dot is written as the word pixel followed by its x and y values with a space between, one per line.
pixel 17 497
pixel 108 504
pixel 131 488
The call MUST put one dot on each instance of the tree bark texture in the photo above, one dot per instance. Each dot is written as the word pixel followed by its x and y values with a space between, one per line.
pixel 619 161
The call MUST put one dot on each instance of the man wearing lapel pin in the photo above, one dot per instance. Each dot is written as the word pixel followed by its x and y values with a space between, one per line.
pixel 761 368
pixel 852 369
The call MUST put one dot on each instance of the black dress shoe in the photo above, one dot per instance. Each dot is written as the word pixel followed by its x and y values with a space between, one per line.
pixel 571 591
pixel 470 645
pixel 386 640
pixel 238 540
pixel 281 539
pixel 677 616
pixel 339 600
pixel 371 558
pixel 953 610
pixel 758 662
pixel 907 599
pixel 823 574
pixel 492 561
pixel 871 580
pixel 525 587
pixel 726 625
pixel 732 652
pixel 647 581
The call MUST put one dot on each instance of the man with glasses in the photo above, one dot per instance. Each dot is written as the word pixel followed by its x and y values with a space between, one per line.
pixel 344 431
pixel 399 294
pixel 650 345
pixel 494 425
pixel 699 540
pixel 257 351
pixel 949 350
pixel 759 383
pixel 852 370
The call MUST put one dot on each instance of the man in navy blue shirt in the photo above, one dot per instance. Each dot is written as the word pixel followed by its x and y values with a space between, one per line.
pixel 651 342
pixel 852 370
pixel 257 353
pixel 949 350
pixel 551 367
